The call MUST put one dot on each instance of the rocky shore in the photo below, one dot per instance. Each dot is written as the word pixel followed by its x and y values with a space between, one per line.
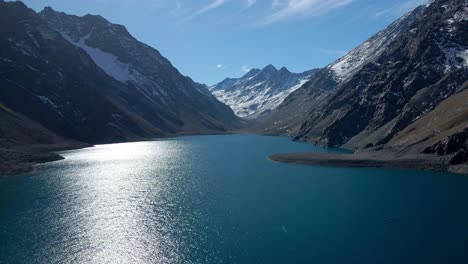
pixel 16 162
pixel 373 159
pixel 21 159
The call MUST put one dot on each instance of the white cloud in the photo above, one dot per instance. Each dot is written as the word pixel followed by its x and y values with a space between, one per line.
pixel 219 66
pixel 213 5
pixel 285 9
pixel 245 69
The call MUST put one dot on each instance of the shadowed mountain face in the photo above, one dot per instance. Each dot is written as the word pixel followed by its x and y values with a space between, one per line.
pixel 367 100
pixel 259 92
pixel 89 80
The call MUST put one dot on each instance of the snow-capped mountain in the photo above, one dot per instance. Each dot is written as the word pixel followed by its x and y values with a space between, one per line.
pixel 322 80
pixel 259 92
pixel 365 53
pixel 409 94
pixel 88 79
pixel 134 63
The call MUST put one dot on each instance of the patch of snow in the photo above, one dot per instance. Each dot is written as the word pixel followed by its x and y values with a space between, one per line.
pixel 349 64
pixel 47 33
pixel 24 48
pixel 108 62
pixel 5 60
pixel 47 101
pixel 33 38
pixel 430 2
pixel 118 70
pixel 117 117
pixel 456 56
pixel 31 67
pixel 464 56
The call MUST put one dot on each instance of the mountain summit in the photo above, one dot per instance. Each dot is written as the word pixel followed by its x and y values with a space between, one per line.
pixel 259 92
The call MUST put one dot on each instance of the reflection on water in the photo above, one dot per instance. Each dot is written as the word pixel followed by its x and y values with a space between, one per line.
pixel 218 199
pixel 114 202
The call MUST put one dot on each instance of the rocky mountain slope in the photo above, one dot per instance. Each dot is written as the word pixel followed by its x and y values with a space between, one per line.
pixel 422 67
pixel 66 79
pixel 90 80
pixel 259 92
pixel 24 142
pixel 371 49
pixel 323 82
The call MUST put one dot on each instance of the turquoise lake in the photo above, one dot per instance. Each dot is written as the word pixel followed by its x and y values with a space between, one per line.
pixel 219 199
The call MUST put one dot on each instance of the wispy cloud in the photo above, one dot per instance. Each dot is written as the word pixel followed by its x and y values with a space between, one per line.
pixel 333 52
pixel 207 8
pixel 285 9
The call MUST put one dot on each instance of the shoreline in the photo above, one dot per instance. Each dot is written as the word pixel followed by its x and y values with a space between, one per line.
pixel 23 162
pixel 371 160
pixel 19 160
pixel 22 159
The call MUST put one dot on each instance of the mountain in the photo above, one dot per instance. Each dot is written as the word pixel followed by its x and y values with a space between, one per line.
pixel 66 79
pixel 371 49
pixel 259 92
pixel 417 70
pixel 87 79
pixel 288 120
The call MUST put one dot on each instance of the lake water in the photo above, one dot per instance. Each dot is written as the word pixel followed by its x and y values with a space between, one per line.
pixel 218 199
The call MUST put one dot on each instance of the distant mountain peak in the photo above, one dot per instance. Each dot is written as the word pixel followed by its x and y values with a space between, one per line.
pixel 14 3
pixel 48 9
pixel 259 92
pixel 284 69
pixel 269 68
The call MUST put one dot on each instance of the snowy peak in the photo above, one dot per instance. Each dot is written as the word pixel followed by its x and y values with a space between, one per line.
pixel 259 92
pixel 367 52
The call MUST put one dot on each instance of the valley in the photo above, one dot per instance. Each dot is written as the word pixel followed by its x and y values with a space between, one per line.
pixel 187 132
pixel 70 82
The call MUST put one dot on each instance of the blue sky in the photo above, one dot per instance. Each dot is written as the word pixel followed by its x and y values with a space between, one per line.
pixel 210 40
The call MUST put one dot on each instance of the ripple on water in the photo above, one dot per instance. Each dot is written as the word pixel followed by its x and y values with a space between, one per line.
pixel 218 199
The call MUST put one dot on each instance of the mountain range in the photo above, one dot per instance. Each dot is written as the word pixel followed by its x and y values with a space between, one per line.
pixel 259 92
pixel 400 98
pixel 403 91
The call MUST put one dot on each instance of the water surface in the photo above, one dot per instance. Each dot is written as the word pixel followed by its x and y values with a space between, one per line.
pixel 218 199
